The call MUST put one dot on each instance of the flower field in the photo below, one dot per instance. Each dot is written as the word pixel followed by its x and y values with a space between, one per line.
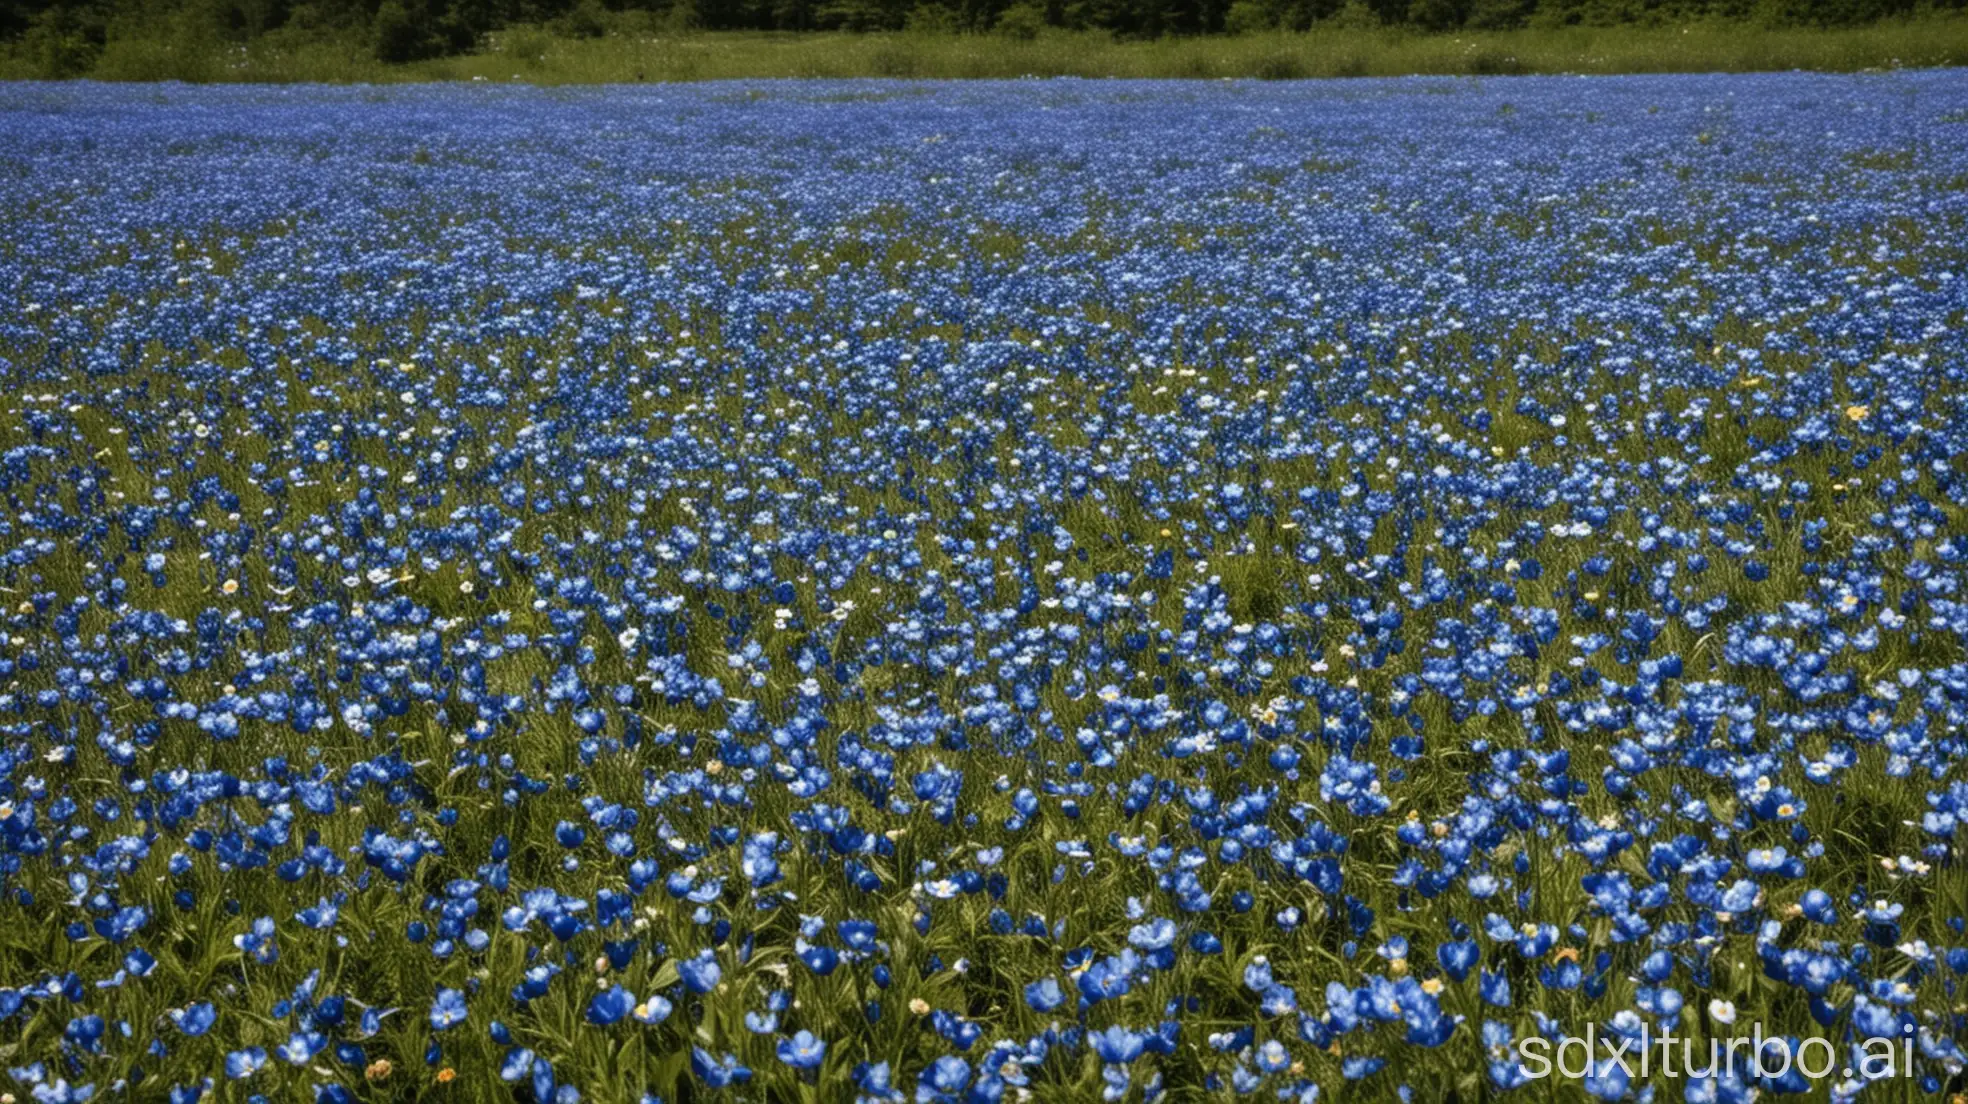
pixel 966 592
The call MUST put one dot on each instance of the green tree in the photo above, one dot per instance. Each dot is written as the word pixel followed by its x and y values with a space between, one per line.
pixel 1021 21
pixel 399 35
pixel 1435 15
pixel 586 19
pixel 64 39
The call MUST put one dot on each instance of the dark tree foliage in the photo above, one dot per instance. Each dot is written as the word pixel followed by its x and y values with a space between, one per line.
pixel 64 36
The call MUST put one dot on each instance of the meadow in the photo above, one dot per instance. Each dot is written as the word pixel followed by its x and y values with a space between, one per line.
pixel 1045 590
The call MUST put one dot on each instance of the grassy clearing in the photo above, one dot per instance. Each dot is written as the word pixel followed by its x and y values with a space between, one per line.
pixel 536 56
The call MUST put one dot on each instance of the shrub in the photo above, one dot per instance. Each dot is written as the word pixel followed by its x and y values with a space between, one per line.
pixel 1435 15
pixel 1498 15
pixel 62 44
pixel 587 19
pixel 1354 15
pixel 1247 17
pixel 931 19
pixel 1023 22
pixel 399 35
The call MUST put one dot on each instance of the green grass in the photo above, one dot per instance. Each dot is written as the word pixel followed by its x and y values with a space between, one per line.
pixel 536 56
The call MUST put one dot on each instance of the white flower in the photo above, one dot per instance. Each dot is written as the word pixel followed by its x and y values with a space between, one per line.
pixel 1721 1011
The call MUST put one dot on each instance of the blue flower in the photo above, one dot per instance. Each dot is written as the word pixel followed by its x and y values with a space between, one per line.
pixel 447 1010
pixel 943 1081
pixel 700 974
pixel 1359 1067
pixel 517 1064
pixel 610 1005
pixel 1044 995
pixel 1118 1045
pixel 653 1010
pixel 802 1051
pixel 244 1063
pixel 258 942
pixel 195 1019
pixel 715 1072
pixel 1458 958
pixel 61 1092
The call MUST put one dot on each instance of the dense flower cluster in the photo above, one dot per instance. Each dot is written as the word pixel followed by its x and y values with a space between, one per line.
pixel 1037 591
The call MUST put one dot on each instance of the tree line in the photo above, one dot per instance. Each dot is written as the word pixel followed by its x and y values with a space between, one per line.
pixel 63 36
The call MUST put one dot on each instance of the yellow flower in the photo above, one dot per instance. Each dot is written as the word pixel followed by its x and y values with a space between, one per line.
pixel 1858 412
pixel 378 1070
pixel 446 1075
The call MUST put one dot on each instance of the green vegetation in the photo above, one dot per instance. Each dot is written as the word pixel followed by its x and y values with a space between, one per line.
pixel 546 41
pixel 530 54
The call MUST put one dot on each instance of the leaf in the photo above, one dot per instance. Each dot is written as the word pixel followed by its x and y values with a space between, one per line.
pixel 666 976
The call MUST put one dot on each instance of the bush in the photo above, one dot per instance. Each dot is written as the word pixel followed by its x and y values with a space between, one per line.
pixel 1247 17
pixel 399 35
pixel 1354 15
pixel 1828 13
pixel 1435 15
pixel 683 17
pixel 61 44
pixel 1300 15
pixel 931 19
pixel 1498 15
pixel 587 19
pixel 1023 22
